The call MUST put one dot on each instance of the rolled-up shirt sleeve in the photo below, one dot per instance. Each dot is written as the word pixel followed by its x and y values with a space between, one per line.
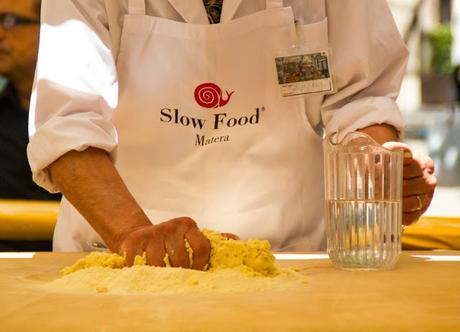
pixel 76 89
pixel 368 62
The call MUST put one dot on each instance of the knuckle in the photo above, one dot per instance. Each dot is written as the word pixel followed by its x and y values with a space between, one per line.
pixel 167 226
pixel 432 182
pixel 189 222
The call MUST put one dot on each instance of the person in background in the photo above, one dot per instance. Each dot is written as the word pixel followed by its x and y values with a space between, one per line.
pixel 19 30
pixel 156 118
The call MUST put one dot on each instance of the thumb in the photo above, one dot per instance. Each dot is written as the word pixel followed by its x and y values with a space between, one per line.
pixel 395 146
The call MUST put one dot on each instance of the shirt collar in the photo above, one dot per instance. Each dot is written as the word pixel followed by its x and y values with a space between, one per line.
pixel 193 11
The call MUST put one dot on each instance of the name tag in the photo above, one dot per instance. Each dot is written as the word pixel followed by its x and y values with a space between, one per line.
pixel 304 73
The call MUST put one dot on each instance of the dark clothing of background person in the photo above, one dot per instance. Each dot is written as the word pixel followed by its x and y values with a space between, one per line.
pixel 15 175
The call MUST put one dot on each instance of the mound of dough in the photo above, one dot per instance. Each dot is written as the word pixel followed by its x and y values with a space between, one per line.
pixel 234 266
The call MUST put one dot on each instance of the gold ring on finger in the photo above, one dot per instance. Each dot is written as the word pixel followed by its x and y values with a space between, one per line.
pixel 419 203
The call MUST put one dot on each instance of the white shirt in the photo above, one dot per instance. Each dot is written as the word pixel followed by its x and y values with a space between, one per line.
pixel 76 88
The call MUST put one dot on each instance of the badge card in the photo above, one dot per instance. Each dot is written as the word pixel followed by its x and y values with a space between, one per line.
pixel 303 74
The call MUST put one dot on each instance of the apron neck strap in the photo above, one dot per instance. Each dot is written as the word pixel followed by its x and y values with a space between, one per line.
pixel 136 7
pixel 274 4
pixel 322 9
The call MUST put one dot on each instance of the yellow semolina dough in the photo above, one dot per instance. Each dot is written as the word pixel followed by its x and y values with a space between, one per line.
pixel 234 266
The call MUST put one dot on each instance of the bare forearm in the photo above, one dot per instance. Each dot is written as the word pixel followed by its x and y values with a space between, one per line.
pixel 89 180
pixel 91 183
pixel 381 133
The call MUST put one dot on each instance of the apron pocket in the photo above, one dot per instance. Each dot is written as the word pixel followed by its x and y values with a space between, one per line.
pixel 315 35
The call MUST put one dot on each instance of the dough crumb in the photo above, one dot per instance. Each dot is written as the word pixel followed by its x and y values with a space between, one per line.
pixel 234 266
pixel 102 289
pixel 251 257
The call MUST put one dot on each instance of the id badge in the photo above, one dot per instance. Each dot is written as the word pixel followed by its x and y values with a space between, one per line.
pixel 303 72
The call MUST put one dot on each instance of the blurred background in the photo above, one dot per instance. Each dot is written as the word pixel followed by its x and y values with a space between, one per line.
pixel 430 93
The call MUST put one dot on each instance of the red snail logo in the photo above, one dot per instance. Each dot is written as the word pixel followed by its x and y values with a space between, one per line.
pixel 209 95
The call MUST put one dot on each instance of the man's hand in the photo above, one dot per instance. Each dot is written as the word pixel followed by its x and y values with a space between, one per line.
pixel 419 182
pixel 165 238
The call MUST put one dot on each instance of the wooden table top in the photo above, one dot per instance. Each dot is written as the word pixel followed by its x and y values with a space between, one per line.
pixel 421 294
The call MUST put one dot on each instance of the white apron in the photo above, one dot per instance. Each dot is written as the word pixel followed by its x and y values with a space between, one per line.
pixel 203 131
